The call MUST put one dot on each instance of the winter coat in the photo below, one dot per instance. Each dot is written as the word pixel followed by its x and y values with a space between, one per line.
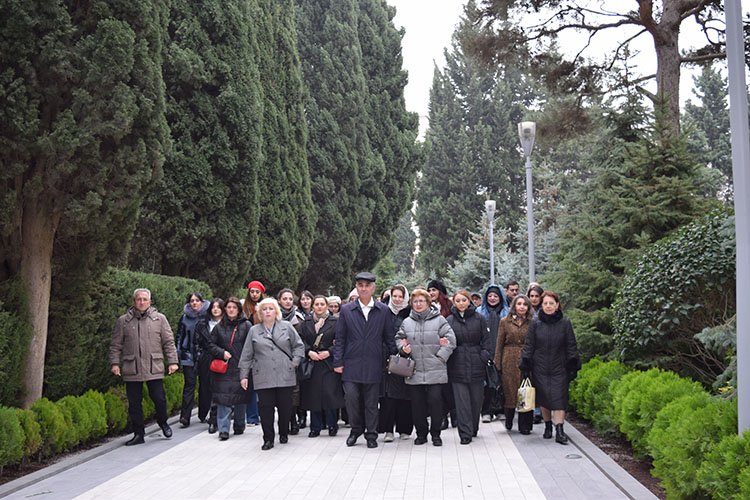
pixel 359 342
pixel 226 387
pixel 140 342
pixel 186 333
pixel 323 390
pixel 423 333
pixel 394 386
pixel 272 359
pixel 510 341
pixel 201 338
pixel 493 315
pixel 551 353
pixel 468 362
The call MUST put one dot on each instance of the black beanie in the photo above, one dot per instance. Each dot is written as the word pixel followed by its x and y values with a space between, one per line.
pixel 438 285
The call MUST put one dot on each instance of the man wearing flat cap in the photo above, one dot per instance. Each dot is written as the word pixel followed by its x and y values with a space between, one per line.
pixel 363 328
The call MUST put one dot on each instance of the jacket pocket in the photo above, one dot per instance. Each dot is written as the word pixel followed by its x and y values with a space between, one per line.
pixel 129 365
pixel 157 364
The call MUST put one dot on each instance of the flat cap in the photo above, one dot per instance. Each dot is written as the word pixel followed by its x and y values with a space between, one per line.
pixel 365 276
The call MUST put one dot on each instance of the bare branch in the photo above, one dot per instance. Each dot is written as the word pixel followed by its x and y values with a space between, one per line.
pixel 698 58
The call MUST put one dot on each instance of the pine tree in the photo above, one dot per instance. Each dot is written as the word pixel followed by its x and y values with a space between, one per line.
pixel 83 134
pixel 405 245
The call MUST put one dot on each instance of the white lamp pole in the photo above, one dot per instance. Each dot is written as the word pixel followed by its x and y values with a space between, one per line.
pixel 527 134
pixel 489 206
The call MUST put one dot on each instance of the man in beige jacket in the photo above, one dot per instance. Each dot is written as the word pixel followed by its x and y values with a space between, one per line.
pixel 141 341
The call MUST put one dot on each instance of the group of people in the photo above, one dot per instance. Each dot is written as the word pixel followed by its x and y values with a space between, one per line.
pixel 320 356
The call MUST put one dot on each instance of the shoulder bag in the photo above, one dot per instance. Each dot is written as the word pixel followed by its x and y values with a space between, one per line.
pixel 399 365
pixel 221 365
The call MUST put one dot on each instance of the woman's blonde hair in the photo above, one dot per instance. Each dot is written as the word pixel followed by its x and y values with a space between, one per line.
pixel 274 303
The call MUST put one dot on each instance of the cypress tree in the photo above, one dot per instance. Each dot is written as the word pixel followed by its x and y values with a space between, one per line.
pixel 201 219
pixel 83 133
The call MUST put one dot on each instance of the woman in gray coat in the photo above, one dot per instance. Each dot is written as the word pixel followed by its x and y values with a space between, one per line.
pixel 429 339
pixel 272 351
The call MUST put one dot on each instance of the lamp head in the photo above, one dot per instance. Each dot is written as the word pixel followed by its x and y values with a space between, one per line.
pixel 489 206
pixel 527 134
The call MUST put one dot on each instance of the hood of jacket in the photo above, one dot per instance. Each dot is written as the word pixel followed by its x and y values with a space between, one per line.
pixel 485 308
pixel 192 313
pixel 430 313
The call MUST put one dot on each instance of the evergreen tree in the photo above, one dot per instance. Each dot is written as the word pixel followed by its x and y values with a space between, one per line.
pixel 201 219
pixel 83 134
pixel 405 245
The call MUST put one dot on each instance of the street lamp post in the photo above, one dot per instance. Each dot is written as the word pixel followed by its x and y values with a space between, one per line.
pixel 489 206
pixel 527 134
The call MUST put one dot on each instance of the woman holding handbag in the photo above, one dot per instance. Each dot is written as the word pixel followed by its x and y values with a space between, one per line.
pixel 510 340
pixel 322 393
pixel 272 352
pixel 227 340
pixel 206 407
pixel 550 353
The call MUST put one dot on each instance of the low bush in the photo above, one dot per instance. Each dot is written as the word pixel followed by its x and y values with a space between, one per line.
pixel 638 397
pixel 173 385
pixel 149 409
pixel 590 394
pixel 11 438
pixel 32 432
pixel 116 403
pixel 78 425
pixel 97 410
pixel 686 431
pixel 725 471
pixel 52 425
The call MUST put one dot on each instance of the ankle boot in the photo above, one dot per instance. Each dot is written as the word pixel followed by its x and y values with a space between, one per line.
pixel 547 430
pixel 509 414
pixel 293 424
pixel 560 436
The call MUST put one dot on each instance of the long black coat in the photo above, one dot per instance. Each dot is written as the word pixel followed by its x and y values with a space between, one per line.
pixel 323 390
pixel 226 387
pixel 394 386
pixel 550 350
pixel 473 343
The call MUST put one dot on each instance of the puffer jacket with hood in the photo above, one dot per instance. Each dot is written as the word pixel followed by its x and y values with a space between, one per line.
pixel 423 332
pixel 493 315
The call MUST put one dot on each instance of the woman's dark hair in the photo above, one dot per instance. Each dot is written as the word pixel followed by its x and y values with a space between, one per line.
pixel 316 297
pixel 555 297
pixel 536 288
pixel 220 303
pixel 306 293
pixel 235 301
pixel 283 291
pixel 512 309
pixel 190 296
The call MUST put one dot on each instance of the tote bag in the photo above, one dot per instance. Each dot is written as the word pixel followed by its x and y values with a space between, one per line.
pixel 526 397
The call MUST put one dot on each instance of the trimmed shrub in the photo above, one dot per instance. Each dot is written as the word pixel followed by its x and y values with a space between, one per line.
pixel 680 446
pixel 116 405
pixel 725 471
pixel 94 403
pixel 14 341
pixel 32 433
pixel 52 425
pixel 11 437
pixel 149 409
pixel 591 397
pixel 638 397
pixel 77 423
pixel 173 385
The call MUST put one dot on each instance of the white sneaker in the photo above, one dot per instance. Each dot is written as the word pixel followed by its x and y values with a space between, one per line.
pixel 404 436
pixel 388 437
pixel 486 419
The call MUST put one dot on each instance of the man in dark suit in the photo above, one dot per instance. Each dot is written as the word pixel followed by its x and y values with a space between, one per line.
pixel 364 326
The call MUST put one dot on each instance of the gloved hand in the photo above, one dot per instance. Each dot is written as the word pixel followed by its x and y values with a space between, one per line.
pixel 525 365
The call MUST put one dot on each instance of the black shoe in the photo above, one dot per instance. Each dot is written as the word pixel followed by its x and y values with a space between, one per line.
pixel 351 440
pixel 223 436
pixel 166 430
pixel 525 432
pixel 313 434
pixel 267 445
pixel 436 441
pixel 283 439
pixel 333 431
pixel 445 424
pixel 136 439
pixel 560 436
pixel 212 428
pixel 184 422
pixel 547 430
pixel 302 421
pixel 420 440
pixel 509 414
pixel 465 440
pixel 294 430
pixel 372 443
pixel 239 431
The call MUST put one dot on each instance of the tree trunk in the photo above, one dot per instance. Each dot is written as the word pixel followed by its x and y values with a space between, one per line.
pixel 38 226
pixel 668 62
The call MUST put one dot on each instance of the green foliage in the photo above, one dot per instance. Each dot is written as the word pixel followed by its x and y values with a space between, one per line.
pixel 52 425
pixel 11 437
pixel 173 385
pixel 681 285
pixel 32 432
pixel 683 435
pixel 78 348
pixel 593 334
pixel 116 405
pixel 15 334
pixel 96 408
pixel 405 245
pixel 725 471
pixel 638 397
pixel 149 409
pixel 77 423
pixel 590 393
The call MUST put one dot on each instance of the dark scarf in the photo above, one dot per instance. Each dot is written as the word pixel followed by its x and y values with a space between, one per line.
pixel 288 314
pixel 549 318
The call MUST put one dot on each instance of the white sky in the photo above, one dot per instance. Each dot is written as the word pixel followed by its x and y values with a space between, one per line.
pixel 429 25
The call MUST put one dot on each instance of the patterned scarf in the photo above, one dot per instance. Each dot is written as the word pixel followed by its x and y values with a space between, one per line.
pixel 320 320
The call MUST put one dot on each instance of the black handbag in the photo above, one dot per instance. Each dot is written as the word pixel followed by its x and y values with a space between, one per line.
pixel 305 369
pixel 491 376
pixel 399 365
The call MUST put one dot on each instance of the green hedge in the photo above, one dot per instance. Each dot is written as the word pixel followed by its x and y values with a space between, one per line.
pixel 11 437
pixel 32 432
pixel 14 342
pixel 52 425
pixel 725 471
pixel 590 396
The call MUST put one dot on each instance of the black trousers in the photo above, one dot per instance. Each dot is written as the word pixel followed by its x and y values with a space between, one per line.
pixel 362 408
pixel 427 400
pixel 204 387
pixel 188 391
pixel 134 390
pixel 279 398
pixel 468 399
pixel 395 412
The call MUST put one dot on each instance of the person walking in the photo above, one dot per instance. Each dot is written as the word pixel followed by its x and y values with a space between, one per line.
pixel 493 308
pixel 255 291
pixel 467 364
pixel 271 357
pixel 206 407
pixel 427 337
pixel 363 328
pixel 550 355
pixel 510 342
pixel 194 311
pixel 141 341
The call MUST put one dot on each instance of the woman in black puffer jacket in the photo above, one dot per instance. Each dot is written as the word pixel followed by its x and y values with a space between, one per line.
pixel 466 366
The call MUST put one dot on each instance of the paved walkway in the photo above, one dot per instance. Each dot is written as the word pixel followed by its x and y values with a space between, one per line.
pixel 194 464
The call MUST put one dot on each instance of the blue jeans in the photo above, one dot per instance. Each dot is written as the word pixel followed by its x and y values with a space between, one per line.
pixel 318 418
pixel 251 415
pixel 223 417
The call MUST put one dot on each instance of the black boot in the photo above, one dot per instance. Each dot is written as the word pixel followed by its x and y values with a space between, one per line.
pixel 293 424
pixel 560 436
pixel 509 414
pixel 136 439
pixel 547 430
pixel 302 418
pixel 212 428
